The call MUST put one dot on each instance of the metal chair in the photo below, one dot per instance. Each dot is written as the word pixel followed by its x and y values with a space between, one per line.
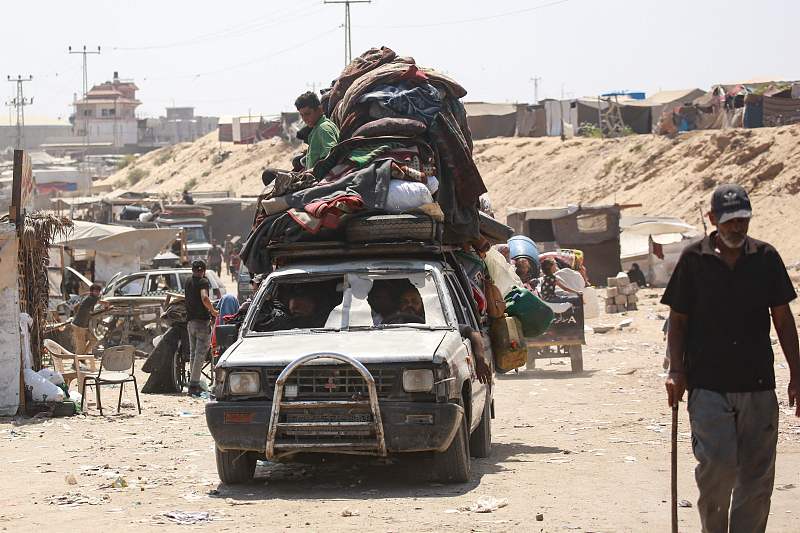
pixel 59 354
pixel 116 368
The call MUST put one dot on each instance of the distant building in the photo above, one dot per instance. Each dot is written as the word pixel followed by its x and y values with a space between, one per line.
pixel 37 131
pixel 107 114
pixel 180 125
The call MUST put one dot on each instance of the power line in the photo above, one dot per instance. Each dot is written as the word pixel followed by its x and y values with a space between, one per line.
pixel 19 102
pixel 256 24
pixel 476 19
pixel 348 43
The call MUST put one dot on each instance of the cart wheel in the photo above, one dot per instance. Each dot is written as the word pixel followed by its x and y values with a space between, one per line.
pixel 576 358
pixel 180 371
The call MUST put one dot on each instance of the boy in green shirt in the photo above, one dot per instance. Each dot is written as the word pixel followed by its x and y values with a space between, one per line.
pixel 324 134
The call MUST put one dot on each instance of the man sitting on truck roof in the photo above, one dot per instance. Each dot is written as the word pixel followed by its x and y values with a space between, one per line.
pixel 324 133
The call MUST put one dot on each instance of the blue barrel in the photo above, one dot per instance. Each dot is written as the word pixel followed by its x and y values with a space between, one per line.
pixel 521 246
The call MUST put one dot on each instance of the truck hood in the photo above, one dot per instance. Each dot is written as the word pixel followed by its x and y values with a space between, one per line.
pixel 384 346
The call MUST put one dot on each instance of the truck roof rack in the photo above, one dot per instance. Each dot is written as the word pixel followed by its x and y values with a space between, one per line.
pixel 345 250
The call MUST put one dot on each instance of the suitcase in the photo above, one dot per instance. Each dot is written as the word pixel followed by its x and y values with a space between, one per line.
pixel 509 348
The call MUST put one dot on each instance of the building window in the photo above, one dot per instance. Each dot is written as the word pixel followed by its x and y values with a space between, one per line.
pixel 108 112
pixel 87 113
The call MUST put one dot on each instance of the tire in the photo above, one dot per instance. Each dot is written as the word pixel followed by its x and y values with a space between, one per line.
pixel 379 228
pixel 180 371
pixel 576 358
pixel 480 442
pixel 453 465
pixel 235 467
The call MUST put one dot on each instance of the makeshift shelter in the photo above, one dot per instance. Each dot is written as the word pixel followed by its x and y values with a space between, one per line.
pixel 116 248
pixel 592 229
pixel 10 361
pixel 657 104
pixel 655 244
pixel 491 120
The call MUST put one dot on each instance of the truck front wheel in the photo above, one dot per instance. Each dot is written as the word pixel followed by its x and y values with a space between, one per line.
pixel 453 465
pixel 480 442
pixel 235 467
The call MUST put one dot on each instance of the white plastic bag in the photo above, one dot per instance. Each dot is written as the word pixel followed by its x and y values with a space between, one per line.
pixel 571 278
pixel 51 375
pixel 503 274
pixel 41 389
pixel 406 195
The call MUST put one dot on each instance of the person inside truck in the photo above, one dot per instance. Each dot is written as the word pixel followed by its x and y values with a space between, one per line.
pixel 300 312
pixel 382 299
pixel 410 309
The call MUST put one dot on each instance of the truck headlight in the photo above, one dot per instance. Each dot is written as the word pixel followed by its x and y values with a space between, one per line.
pixel 244 382
pixel 417 380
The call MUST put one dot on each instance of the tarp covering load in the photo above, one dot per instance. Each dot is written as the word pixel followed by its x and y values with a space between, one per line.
pixel 401 126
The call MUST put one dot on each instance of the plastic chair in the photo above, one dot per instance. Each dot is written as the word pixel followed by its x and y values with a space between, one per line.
pixel 59 354
pixel 116 368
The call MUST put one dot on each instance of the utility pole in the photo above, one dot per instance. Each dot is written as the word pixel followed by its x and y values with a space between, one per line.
pixel 536 80
pixel 84 53
pixel 348 44
pixel 19 102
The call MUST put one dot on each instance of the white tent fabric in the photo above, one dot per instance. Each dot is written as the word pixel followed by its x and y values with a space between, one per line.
pixel 108 238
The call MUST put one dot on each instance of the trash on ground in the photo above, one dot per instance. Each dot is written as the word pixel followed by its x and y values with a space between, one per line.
pixel 685 503
pixel 73 499
pixel 349 512
pixel 486 504
pixel 70 479
pixel 187 517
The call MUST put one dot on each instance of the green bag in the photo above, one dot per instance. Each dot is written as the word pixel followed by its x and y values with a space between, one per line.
pixel 535 315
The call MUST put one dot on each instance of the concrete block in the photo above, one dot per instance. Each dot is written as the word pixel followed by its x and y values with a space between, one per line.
pixel 632 298
pixel 611 292
pixel 621 299
pixel 611 309
pixel 611 282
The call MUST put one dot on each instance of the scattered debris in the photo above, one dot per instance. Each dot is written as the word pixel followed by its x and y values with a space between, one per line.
pixel 231 501
pixel 348 512
pixel 625 323
pixel 602 328
pixel 786 487
pixel 187 517
pixel 70 479
pixel 485 504
pixel 539 517
pixel 685 503
pixel 630 459
pixel 74 499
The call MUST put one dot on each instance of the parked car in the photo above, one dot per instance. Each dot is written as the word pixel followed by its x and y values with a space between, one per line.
pixel 156 283
pixel 342 372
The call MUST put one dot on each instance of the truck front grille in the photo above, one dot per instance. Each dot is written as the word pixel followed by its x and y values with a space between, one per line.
pixel 332 382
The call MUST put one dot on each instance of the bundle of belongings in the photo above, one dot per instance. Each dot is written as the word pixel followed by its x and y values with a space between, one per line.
pixel 404 147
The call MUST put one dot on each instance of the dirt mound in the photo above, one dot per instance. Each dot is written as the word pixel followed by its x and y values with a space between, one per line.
pixel 668 176
pixel 204 165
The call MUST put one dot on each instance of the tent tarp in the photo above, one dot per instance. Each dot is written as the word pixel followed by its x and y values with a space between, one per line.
pixel 108 238
pixel 781 111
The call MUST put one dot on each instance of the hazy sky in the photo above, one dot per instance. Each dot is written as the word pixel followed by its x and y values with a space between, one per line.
pixel 231 57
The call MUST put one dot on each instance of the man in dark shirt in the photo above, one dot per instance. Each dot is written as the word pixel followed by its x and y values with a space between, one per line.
pixel 721 295
pixel 199 311
pixel 82 339
pixel 215 256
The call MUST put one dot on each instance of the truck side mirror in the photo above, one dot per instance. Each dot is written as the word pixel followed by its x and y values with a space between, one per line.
pixel 226 335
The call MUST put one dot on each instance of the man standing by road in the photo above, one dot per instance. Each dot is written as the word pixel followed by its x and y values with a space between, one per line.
pixel 82 339
pixel 215 257
pixel 721 295
pixel 324 133
pixel 199 311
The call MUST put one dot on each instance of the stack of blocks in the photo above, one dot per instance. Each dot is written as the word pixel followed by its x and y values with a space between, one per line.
pixel 621 294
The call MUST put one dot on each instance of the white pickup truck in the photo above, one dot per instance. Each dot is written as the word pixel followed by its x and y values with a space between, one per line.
pixel 357 353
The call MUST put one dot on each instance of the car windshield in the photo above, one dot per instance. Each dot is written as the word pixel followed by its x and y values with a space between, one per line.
pixel 196 234
pixel 351 301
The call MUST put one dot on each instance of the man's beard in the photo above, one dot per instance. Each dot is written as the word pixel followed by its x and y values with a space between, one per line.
pixel 732 242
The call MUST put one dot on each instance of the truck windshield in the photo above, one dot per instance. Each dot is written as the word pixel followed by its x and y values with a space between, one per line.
pixel 196 234
pixel 349 301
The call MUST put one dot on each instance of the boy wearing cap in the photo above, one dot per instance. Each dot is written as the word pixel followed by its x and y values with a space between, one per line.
pixel 199 311
pixel 721 294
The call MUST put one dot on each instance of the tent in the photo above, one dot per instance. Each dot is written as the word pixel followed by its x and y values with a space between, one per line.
pixel 658 103
pixel 592 229
pixel 117 248
pixel 491 120
pixel 655 244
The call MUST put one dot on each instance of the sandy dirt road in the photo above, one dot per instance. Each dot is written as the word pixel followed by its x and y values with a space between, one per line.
pixel 588 452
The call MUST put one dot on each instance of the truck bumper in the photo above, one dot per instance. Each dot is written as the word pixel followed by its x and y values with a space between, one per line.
pixel 408 426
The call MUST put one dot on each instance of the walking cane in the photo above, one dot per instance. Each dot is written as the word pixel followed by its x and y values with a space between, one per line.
pixel 674 469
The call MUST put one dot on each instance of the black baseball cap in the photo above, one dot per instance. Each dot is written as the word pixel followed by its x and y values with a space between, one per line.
pixel 198 264
pixel 730 201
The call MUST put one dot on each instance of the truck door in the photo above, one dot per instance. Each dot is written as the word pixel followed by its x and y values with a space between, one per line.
pixel 466 317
